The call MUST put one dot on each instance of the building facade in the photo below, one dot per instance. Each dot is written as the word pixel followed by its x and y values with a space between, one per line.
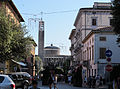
pixel 30 61
pixel 88 19
pixel 53 58
pixel 95 45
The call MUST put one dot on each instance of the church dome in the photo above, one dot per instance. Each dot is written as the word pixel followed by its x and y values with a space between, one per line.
pixel 51 50
pixel 51 47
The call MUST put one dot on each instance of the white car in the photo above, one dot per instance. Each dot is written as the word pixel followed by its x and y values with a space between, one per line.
pixel 6 82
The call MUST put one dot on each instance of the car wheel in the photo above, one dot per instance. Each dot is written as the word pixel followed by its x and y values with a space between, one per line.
pixel 25 86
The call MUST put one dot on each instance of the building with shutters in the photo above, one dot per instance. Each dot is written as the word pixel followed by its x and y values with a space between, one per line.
pixel 95 45
pixel 91 37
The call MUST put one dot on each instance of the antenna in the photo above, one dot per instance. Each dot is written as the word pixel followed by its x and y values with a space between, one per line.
pixel 41 13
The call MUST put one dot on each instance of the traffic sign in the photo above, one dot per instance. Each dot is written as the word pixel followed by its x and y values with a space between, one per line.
pixel 108 59
pixel 109 68
pixel 108 53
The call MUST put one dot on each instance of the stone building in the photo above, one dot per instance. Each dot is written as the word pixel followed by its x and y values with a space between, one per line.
pixel 53 57
pixel 95 45
pixel 88 19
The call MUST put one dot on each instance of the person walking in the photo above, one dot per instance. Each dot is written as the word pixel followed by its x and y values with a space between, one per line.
pixel 55 81
pixel 69 79
pixel 85 81
pixel 34 85
pixel 50 81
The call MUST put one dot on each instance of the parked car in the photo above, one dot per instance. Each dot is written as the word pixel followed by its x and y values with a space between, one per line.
pixel 21 79
pixel 6 82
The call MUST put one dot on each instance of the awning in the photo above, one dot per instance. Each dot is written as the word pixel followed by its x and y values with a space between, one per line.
pixel 19 63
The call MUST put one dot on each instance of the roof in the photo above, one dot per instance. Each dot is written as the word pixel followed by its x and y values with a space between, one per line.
pixel 72 33
pixel 94 8
pixel 51 47
pixel 99 30
pixel 16 10
pixel 33 42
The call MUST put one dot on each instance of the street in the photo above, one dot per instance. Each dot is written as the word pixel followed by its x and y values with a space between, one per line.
pixel 62 85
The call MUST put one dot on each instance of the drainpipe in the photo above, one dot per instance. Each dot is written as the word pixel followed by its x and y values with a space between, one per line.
pixel 85 23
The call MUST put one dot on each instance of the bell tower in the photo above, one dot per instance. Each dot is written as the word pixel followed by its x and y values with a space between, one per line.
pixel 41 40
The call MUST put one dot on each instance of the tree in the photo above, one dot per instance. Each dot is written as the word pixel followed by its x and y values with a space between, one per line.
pixel 39 63
pixel 116 17
pixel 13 43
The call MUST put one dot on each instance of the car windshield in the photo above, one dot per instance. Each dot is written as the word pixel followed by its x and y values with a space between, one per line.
pixel 1 79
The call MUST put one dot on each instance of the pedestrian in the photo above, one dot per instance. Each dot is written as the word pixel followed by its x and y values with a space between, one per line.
pixel 34 85
pixel 93 82
pixel 55 81
pixel 89 81
pixel 97 81
pixel 50 81
pixel 85 81
pixel 69 79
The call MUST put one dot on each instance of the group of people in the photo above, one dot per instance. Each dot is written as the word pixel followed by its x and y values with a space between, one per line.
pixel 93 81
pixel 52 80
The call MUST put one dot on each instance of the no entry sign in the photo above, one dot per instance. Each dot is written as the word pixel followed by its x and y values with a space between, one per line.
pixel 109 68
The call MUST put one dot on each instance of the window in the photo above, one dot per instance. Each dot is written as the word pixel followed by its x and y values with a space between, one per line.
pixel 95 72
pixel 92 52
pixel 1 79
pixel 94 22
pixel 111 21
pixel 102 38
pixel 102 53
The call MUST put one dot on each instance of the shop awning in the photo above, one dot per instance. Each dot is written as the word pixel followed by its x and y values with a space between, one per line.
pixel 19 63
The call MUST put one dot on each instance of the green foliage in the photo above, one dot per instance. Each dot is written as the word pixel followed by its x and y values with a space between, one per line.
pixel 116 18
pixel 39 63
pixel 13 43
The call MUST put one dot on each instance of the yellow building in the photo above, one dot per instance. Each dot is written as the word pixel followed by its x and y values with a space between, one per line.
pixel 31 59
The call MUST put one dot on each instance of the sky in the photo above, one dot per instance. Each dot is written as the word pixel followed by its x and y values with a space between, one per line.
pixel 58 25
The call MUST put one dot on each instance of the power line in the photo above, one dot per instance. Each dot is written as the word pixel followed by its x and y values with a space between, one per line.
pixel 61 12
pixel 55 12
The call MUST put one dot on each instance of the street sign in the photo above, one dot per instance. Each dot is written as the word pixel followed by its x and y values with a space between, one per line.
pixel 108 53
pixel 109 68
pixel 108 59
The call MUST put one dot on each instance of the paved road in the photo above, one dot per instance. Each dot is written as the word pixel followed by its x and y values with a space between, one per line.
pixel 63 86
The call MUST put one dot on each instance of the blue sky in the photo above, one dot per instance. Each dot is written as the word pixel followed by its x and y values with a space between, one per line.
pixel 58 25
